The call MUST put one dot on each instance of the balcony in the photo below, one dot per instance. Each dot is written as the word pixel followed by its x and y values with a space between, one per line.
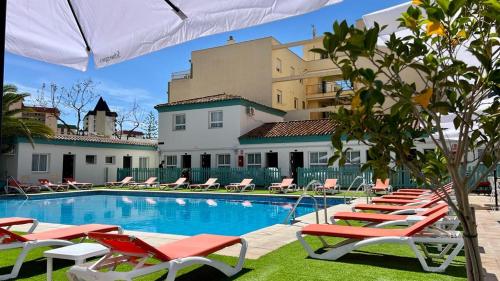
pixel 328 90
pixel 185 74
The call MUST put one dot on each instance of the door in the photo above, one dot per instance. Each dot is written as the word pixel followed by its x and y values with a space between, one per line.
pixel 127 162
pixel 68 167
pixel 296 162
pixel 206 160
pixel 272 159
pixel 186 161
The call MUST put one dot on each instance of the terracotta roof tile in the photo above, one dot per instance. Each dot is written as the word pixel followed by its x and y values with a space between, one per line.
pixel 206 99
pixel 42 109
pixel 320 127
pixel 97 139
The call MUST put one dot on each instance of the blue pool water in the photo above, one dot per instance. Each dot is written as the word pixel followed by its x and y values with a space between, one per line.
pixel 162 213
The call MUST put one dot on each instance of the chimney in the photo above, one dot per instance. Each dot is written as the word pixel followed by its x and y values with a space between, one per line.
pixel 231 40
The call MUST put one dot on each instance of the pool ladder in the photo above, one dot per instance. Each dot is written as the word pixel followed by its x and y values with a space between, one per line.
pixel 18 189
pixel 292 214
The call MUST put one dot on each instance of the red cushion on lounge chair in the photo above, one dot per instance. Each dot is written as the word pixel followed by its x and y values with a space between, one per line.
pixel 71 232
pixel 197 246
pixel 385 208
pixel 354 232
pixel 414 190
pixel 371 217
pixel 14 221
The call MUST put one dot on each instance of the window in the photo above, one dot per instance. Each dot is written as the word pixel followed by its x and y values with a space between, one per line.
pixel 223 160
pixel 278 65
pixel 292 70
pixel 91 159
pixel 143 162
pixel 215 119
pixel 353 158
pixel 318 159
pixel 279 96
pixel 109 160
pixel 303 105
pixel 254 160
pixel 171 161
pixel 179 122
pixel 40 163
pixel 296 103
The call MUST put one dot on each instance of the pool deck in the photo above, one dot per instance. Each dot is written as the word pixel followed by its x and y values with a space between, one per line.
pixel 266 240
pixel 260 242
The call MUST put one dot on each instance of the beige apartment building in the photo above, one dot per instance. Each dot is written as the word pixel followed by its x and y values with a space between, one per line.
pixel 268 72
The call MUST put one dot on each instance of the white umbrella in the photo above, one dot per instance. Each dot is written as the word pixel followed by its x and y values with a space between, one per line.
pixel 66 32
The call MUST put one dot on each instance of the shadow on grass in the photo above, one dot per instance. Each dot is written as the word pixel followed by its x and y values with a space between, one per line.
pixel 456 268
pixel 36 267
pixel 205 273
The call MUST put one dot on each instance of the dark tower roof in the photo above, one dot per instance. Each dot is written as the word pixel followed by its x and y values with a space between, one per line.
pixel 102 106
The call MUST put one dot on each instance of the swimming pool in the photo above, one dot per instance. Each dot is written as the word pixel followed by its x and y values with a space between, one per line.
pixel 173 213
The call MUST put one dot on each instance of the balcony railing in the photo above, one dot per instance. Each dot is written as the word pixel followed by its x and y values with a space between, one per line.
pixel 328 87
pixel 185 74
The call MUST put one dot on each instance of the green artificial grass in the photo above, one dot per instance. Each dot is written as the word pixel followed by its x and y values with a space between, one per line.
pixel 380 262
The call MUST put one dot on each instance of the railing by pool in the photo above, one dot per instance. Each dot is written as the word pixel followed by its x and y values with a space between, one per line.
pixel 260 176
pixel 399 177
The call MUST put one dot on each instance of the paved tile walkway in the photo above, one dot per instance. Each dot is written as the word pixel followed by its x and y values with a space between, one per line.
pixel 488 223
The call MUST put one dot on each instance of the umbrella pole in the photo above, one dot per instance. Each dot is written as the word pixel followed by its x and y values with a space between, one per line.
pixel 3 18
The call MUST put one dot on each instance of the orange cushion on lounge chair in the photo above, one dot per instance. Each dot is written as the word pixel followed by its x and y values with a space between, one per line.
pixel 71 232
pixel 14 221
pixel 354 232
pixel 371 217
pixel 197 246
pixel 357 232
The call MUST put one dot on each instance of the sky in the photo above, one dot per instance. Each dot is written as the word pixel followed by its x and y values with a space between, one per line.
pixel 145 78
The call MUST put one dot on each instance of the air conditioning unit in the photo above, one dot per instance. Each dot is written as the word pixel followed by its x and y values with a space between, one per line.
pixel 250 111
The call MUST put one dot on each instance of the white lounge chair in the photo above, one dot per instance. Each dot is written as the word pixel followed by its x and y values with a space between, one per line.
pixel 210 183
pixel 14 184
pixel 175 185
pixel 283 186
pixel 330 187
pixel 242 186
pixel 78 185
pixel 46 184
pixel 49 238
pixel 418 234
pixel 125 181
pixel 150 182
pixel 381 186
pixel 173 256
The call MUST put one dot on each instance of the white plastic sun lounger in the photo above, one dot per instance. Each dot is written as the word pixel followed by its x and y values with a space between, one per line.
pixel 283 186
pixel 173 256
pixel 330 187
pixel 150 182
pixel 125 181
pixel 210 183
pixel 420 234
pixel 80 185
pixel 49 238
pixel 175 185
pixel 242 186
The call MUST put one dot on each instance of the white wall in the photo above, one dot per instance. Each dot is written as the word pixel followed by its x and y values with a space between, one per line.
pixel 198 135
pixel 94 173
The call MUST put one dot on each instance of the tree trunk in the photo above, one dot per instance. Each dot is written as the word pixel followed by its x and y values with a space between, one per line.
pixel 472 254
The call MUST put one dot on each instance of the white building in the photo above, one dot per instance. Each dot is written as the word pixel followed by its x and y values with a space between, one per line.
pixel 231 131
pixel 84 158
pixel 101 121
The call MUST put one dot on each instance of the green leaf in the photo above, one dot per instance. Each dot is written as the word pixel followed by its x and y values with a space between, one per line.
pixel 443 4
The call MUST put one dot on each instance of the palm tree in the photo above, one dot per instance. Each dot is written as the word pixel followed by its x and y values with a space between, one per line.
pixel 14 125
